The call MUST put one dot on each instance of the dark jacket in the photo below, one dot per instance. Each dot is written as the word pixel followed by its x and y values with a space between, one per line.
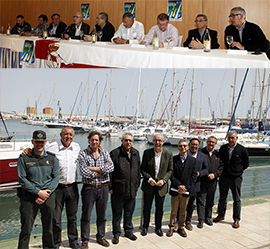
pixel 72 30
pixel 148 170
pixel 108 31
pixel 26 27
pixel 183 174
pixel 253 37
pixel 215 165
pixel 125 179
pixel 59 30
pixel 196 35
pixel 238 163
pixel 203 170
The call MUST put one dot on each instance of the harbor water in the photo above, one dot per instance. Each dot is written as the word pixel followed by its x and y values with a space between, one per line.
pixel 255 180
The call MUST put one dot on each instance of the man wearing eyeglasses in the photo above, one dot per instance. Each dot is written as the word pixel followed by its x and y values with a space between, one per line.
pixel 57 27
pixel 246 35
pixel 209 182
pixel 156 168
pixel 167 33
pixel 183 178
pixel 78 26
pixel 124 183
pixel 202 170
pixel 195 36
pixel 102 25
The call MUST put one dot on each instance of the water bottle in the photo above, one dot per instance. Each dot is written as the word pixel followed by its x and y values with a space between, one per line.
pixel 8 29
pixel 155 41
pixel 94 35
pixel 206 41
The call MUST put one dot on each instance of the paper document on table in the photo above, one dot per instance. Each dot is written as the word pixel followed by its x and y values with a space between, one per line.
pixel 234 51
pixel 180 48
pixel 176 190
pixel 138 46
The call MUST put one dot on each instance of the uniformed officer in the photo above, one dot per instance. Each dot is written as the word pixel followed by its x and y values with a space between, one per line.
pixel 38 176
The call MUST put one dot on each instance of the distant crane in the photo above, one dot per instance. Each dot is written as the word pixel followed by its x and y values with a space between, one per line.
pixel 212 113
pixel 60 116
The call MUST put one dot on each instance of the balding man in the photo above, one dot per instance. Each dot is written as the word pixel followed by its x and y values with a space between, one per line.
pixel 78 26
pixel 246 35
pixel 128 31
pixel 235 160
pixel 156 168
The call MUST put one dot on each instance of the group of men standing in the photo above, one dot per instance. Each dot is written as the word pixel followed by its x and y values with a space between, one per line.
pixel 48 178
pixel 246 35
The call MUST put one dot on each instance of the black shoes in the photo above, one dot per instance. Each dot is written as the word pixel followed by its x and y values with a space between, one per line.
pixel 159 232
pixel 103 242
pixel 209 222
pixel 144 231
pixel 200 224
pixel 131 236
pixel 115 240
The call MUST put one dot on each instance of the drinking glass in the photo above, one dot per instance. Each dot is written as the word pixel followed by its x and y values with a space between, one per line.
pixel 81 35
pixel 2 30
pixel 99 34
pixel 19 30
pixel 229 40
pixel 168 38
pixel 50 32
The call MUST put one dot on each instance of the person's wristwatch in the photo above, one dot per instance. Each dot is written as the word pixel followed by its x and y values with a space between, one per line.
pixel 127 42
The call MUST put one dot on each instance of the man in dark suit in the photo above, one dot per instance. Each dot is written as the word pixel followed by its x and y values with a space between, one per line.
pixel 124 183
pixel 57 27
pixel 183 178
pixel 103 25
pixel 209 182
pixel 202 170
pixel 156 168
pixel 78 26
pixel 235 160
pixel 246 35
pixel 195 36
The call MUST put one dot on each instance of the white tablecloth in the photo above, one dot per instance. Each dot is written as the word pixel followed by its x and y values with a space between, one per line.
pixel 125 56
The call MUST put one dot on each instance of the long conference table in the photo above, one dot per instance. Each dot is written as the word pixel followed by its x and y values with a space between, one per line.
pixel 76 54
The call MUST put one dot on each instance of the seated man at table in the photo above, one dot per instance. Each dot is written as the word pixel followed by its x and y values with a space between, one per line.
pixel 167 33
pixel 246 35
pixel 195 36
pixel 74 29
pixel 128 31
pixel 20 26
pixel 38 30
pixel 102 25
pixel 57 27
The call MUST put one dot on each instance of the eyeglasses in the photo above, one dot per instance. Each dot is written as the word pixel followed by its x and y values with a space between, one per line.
pixel 128 140
pixel 234 15
pixel 194 144
pixel 158 140
pixel 182 145
pixel 201 20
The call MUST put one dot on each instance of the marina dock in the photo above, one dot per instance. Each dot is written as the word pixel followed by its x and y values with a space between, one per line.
pixel 254 232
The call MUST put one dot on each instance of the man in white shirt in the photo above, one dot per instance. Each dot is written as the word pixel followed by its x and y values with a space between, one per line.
pixel 167 33
pixel 130 31
pixel 67 193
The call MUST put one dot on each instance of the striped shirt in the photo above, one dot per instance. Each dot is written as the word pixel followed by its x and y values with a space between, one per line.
pixel 87 159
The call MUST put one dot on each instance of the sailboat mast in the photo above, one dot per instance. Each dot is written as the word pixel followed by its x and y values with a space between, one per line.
pixel 260 114
pixel 138 97
pixel 191 100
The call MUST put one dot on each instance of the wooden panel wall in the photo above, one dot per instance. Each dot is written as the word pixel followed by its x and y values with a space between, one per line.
pixel 218 12
pixel 147 11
